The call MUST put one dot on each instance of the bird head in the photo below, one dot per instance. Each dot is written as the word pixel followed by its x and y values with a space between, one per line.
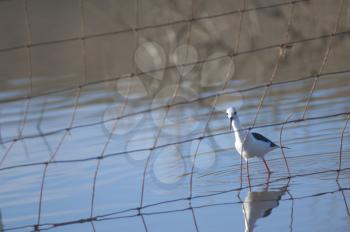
pixel 231 114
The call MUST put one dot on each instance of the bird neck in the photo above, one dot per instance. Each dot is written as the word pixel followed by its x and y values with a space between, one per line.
pixel 236 126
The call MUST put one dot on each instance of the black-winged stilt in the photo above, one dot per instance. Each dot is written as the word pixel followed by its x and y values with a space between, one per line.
pixel 249 144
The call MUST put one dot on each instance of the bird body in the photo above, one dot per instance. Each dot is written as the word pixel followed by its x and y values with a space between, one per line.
pixel 249 144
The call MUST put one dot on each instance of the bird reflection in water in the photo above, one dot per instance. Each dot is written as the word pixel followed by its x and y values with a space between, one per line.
pixel 260 204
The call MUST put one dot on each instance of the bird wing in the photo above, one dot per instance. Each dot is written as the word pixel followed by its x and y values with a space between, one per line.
pixel 260 137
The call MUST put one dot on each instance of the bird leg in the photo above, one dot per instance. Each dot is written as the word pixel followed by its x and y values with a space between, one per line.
pixel 240 183
pixel 247 169
pixel 268 181
pixel 266 166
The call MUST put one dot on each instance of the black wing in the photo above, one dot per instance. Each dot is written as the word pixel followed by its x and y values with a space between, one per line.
pixel 264 139
pixel 267 212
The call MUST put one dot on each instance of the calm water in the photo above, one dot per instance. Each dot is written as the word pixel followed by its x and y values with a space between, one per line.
pixel 115 123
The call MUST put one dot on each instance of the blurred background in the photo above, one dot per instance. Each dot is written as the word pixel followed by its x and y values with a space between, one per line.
pixel 112 114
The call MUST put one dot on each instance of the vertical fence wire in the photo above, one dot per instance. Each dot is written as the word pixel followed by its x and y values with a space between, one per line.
pixel 227 78
pixel 281 53
pixel 194 218
pixel 282 146
pixel 30 78
pixel 114 127
pixel 53 154
pixel 102 153
pixel 341 190
pixel 341 145
pixel 241 17
pixel 28 99
pixel 160 127
pixel 340 165
pixel 138 8
pixel 324 60
pixel 276 67
pixel 38 126
pixel 291 211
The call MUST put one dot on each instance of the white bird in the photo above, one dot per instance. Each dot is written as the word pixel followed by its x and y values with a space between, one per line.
pixel 249 144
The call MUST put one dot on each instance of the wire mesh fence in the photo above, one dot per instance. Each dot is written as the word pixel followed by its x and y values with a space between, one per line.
pixel 140 104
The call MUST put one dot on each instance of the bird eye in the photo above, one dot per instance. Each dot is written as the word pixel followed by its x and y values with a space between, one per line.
pixel 235 113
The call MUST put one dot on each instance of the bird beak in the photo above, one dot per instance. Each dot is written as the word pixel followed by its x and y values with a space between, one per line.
pixel 231 123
